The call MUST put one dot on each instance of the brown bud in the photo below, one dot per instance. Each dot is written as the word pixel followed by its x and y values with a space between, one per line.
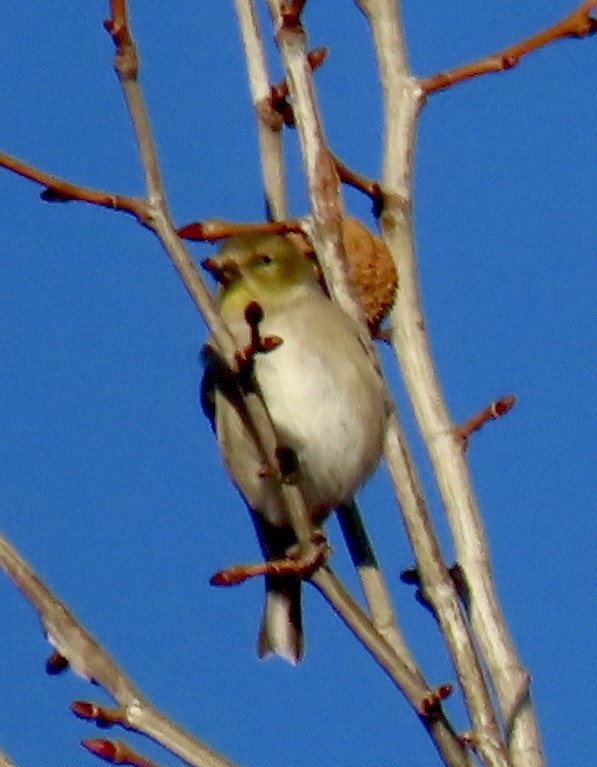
pixel 105 749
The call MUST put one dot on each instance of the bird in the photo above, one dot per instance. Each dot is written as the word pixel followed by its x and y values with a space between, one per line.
pixel 325 395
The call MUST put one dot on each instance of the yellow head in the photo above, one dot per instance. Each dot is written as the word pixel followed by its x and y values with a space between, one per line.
pixel 266 268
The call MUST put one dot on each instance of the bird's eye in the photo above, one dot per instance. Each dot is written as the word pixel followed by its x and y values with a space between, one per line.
pixel 264 258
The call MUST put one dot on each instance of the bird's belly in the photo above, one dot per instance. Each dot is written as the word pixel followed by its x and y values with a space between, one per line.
pixel 331 416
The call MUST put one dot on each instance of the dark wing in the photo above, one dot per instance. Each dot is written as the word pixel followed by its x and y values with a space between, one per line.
pixel 207 396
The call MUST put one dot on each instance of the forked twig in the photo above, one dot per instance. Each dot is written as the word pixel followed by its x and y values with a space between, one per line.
pixel 88 658
pixel 403 97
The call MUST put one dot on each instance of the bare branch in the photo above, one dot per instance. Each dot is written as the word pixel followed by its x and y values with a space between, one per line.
pixel 126 66
pixel 409 681
pixel 214 229
pixel 368 186
pixel 60 190
pixel 579 23
pixel 298 567
pixel 269 123
pixel 403 97
pixel 494 410
pixel 322 180
pixel 372 581
pixel 88 658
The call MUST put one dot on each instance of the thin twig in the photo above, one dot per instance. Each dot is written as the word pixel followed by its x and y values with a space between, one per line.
pixel 579 23
pixel 116 751
pixel 368 186
pixel 494 410
pixel 410 682
pixel 323 183
pixel 59 190
pixel 269 122
pixel 88 658
pixel 214 229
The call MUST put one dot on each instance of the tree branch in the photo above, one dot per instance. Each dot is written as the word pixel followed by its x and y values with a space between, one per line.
pixel 496 409
pixel 88 658
pixel 269 123
pixel 372 581
pixel 403 97
pixel 411 683
pixel 60 190
pixel 323 184
pixel 579 23
pixel 213 229
pixel 5 761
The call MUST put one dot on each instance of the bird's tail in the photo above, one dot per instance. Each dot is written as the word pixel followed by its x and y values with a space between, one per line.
pixel 281 631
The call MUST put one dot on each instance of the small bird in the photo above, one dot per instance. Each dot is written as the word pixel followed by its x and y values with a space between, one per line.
pixel 324 393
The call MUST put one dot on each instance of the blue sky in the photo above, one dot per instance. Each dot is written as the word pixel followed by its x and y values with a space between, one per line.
pixel 110 482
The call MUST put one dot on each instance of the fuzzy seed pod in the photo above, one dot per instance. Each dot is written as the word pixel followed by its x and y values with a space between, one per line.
pixel 372 270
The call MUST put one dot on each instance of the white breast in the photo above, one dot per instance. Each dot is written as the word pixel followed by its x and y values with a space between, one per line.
pixel 325 398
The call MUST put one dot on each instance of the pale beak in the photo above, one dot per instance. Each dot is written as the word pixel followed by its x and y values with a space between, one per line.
pixel 225 272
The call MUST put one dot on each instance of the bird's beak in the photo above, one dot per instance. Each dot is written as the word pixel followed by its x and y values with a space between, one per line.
pixel 224 272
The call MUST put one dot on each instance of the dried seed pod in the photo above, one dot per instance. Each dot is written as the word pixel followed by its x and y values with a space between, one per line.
pixel 372 270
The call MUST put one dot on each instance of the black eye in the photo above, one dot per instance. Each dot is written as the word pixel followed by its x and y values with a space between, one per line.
pixel 264 258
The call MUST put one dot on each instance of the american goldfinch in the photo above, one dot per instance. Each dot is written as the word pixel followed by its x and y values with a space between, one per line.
pixel 325 396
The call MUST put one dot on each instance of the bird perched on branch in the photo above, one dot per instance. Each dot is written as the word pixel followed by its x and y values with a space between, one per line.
pixel 324 393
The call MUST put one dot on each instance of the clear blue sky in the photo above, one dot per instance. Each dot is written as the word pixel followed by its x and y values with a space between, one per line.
pixel 110 482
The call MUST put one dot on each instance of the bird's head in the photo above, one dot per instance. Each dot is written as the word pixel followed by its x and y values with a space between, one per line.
pixel 266 268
